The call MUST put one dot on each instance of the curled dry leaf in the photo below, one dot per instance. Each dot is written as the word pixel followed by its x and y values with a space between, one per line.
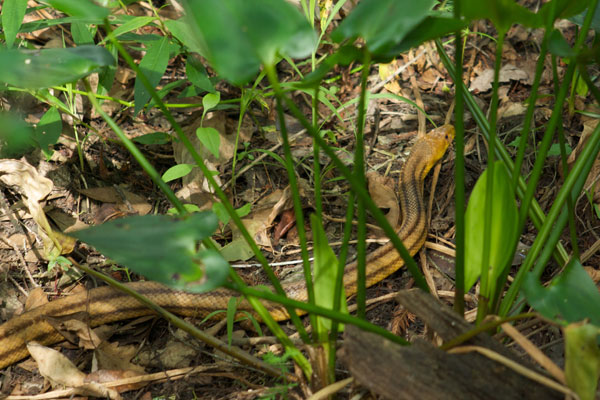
pixel 591 183
pixel 22 178
pixel 383 194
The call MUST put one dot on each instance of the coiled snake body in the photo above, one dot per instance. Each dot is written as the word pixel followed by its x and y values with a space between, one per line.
pixel 105 304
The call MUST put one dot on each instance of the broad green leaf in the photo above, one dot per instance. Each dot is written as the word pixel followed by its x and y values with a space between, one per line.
pixel 571 297
pixel 430 28
pixel 504 227
pixel 558 46
pixel 132 25
pixel 186 34
pixel 221 212
pixel 177 171
pixel 48 130
pixel 35 69
pixel 502 13
pixel 13 12
pixel 16 136
pixel 578 19
pixel 81 34
pixel 237 250
pixel 196 73
pixel 210 101
pixel 325 272
pixel 240 35
pixel 210 138
pixel 556 9
pixel 153 138
pixel 153 66
pixel 80 8
pixel 162 249
pixel 582 359
pixel 382 23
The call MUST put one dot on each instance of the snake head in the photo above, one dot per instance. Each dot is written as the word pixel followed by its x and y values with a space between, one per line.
pixel 434 145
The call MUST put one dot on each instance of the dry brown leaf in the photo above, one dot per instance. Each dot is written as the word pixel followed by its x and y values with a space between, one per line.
pixel 111 356
pixel 54 366
pixel 108 376
pixel 508 72
pixel 385 70
pixel 22 178
pixel 383 194
pixel 110 194
pixel 37 297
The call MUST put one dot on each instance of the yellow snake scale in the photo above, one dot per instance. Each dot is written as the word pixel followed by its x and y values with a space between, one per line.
pixel 105 304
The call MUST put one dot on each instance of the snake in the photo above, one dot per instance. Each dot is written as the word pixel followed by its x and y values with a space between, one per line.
pixel 104 305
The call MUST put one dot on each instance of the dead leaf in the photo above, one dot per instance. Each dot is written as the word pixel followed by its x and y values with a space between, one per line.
pixel 508 72
pixel 55 367
pixel 288 219
pixel 108 376
pixel 22 178
pixel 385 71
pixel 37 297
pixel 112 356
pixel 126 201
pixel 383 194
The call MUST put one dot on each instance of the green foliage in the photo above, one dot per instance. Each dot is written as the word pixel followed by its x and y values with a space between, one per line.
pixel 162 249
pixel 582 359
pixel 35 69
pixel 503 232
pixel 571 297
pixel 240 35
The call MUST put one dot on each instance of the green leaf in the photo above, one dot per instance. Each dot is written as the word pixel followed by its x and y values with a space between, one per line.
pixel 196 73
pixel 35 69
pixel 162 249
pixel 210 138
pixel 13 12
pixel 432 27
pixel 16 136
pixel 177 171
pixel 132 25
pixel 210 101
pixel 81 34
pixel 571 297
pixel 578 19
pixel 325 273
pixel 502 13
pixel 503 230
pixel 153 66
pixel 555 149
pixel 48 130
pixel 558 46
pixel 186 34
pixel 81 8
pixel 240 35
pixel 382 23
pixel 582 359
pixel 153 138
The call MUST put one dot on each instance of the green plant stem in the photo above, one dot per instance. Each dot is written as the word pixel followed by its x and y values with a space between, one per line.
pixel 317 310
pixel 573 184
pixel 339 283
pixel 535 212
pixel 362 193
pixel 487 286
pixel 565 170
pixel 359 173
pixel 485 327
pixel 527 124
pixel 207 174
pixel 289 164
pixel 459 173
pixel 212 341
pixel 564 192
pixel 135 152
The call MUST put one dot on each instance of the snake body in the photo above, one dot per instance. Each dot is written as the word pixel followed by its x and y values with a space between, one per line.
pixel 105 304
